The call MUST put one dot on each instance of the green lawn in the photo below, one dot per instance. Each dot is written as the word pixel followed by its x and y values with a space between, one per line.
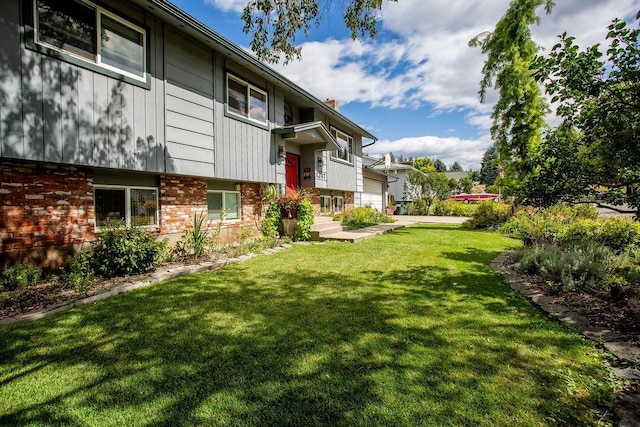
pixel 409 328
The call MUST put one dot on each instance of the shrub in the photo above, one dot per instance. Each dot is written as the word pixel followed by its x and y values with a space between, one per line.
pixel 568 213
pixel 417 207
pixel 271 224
pixel 585 265
pixel 489 215
pixel 453 208
pixel 19 276
pixel 566 225
pixel 305 220
pixel 364 216
pixel 81 275
pixel 199 240
pixel 123 251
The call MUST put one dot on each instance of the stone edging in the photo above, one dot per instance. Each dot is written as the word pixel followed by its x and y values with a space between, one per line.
pixel 137 283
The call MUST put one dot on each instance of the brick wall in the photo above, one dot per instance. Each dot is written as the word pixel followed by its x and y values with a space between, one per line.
pixel 314 197
pixel 44 205
pixel 47 210
pixel 349 200
pixel 180 198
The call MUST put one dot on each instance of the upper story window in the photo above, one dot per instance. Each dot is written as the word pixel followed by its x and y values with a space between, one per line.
pixel 91 33
pixel 246 100
pixel 345 142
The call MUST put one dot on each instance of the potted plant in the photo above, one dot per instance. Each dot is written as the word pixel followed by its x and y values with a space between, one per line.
pixel 290 203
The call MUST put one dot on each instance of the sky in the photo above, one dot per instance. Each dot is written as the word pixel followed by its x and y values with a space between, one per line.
pixel 415 85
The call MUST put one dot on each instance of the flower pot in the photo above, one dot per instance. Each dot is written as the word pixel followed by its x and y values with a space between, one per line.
pixel 289 226
pixel 289 213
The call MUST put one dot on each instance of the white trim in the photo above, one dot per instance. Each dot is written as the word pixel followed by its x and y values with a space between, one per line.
pixel 350 141
pixel 127 203
pixel 223 193
pixel 99 11
pixel 335 204
pixel 248 100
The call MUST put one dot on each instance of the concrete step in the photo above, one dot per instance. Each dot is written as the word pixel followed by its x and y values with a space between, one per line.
pixel 353 236
pixel 324 226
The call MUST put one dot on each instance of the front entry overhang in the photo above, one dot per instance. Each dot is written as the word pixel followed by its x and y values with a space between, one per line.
pixel 314 133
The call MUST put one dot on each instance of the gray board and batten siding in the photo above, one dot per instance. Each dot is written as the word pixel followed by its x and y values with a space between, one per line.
pixel 52 110
pixel 56 110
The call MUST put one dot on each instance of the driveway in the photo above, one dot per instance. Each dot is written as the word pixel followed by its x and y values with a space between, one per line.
pixel 428 219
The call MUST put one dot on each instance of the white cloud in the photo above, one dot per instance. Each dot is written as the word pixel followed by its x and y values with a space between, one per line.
pixel 467 152
pixel 430 65
pixel 228 5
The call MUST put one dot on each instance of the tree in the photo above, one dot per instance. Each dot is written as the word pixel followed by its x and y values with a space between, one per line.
pixel 518 116
pixel 392 157
pixel 559 170
pixel 455 167
pixel 465 185
pixel 439 165
pixel 424 164
pixel 275 24
pixel 426 186
pixel 601 99
pixel 489 166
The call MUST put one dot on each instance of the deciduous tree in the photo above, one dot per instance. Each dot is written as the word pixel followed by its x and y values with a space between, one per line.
pixel 275 24
pixel 518 116
pixel 600 97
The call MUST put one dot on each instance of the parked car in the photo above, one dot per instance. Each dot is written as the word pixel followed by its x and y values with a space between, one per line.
pixel 479 197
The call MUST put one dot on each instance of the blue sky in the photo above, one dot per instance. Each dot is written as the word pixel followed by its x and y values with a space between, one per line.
pixel 415 85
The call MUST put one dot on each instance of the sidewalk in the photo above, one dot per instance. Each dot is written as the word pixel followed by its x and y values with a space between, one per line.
pixel 353 236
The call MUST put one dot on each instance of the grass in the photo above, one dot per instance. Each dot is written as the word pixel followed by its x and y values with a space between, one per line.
pixel 410 328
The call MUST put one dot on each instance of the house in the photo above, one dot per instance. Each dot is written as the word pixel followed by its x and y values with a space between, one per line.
pixel 399 173
pixel 375 183
pixel 134 110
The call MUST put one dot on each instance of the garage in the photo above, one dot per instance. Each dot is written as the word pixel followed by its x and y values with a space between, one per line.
pixel 373 194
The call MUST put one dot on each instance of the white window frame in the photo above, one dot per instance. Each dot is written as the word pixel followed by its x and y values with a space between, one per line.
pixel 334 154
pixel 330 204
pixel 127 203
pixel 224 193
pixel 250 87
pixel 98 56
pixel 335 204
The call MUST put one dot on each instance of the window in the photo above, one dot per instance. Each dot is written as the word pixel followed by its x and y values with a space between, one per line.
pixel 338 204
pixel 325 204
pixel 132 205
pixel 224 201
pixel 246 100
pixel 89 32
pixel 345 142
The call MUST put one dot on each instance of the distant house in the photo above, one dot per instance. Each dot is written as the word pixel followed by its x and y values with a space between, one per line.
pixel 375 183
pixel 457 175
pixel 398 174
pixel 134 110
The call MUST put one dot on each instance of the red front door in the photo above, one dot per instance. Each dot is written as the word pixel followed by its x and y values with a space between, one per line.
pixel 292 172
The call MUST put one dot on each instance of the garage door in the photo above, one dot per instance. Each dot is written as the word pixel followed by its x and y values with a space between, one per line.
pixel 372 194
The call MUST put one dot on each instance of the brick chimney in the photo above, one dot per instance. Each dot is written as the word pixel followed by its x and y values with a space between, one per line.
pixel 333 103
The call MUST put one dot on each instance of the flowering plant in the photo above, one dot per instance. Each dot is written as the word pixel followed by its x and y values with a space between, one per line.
pixel 290 201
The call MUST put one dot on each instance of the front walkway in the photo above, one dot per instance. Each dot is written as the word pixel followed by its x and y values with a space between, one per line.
pixel 401 221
